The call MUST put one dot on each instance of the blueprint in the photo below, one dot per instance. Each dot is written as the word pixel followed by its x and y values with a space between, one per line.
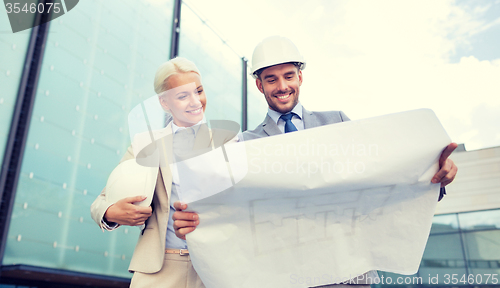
pixel 318 206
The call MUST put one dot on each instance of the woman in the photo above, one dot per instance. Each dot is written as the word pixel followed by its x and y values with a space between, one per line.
pixel 160 258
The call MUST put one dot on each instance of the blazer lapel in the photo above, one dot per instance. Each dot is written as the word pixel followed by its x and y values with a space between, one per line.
pixel 270 127
pixel 165 146
pixel 309 120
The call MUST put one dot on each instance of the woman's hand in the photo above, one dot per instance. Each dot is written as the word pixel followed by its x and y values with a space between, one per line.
pixel 124 212
pixel 184 222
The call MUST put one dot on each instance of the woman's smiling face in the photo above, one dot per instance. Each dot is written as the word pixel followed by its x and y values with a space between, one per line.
pixel 185 98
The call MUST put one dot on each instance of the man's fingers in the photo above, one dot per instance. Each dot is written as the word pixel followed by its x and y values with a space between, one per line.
pixel 445 169
pixel 180 206
pixel 448 178
pixel 446 153
pixel 446 174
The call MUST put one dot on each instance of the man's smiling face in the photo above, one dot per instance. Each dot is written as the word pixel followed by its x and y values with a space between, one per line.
pixel 280 84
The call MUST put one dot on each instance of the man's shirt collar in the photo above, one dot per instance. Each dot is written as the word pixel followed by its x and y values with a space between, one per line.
pixel 276 115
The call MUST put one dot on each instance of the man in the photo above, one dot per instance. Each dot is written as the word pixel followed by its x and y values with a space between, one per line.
pixel 277 67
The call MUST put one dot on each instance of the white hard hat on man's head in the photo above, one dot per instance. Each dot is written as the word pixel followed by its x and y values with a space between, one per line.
pixel 275 50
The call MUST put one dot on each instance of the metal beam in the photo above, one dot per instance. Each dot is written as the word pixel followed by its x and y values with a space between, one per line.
pixel 31 276
pixel 176 29
pixel 244 93
pixel 21 118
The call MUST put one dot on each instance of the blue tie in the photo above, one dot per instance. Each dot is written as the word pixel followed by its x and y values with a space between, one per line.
pixel 289 127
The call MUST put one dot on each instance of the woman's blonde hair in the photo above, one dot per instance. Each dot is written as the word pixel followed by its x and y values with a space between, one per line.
pixel 172 67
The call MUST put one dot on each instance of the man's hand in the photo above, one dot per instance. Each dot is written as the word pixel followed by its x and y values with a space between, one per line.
pixel 447 169
pixel 184 222
pixel 124 212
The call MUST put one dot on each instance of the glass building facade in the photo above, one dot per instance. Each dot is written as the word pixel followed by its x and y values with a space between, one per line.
pixel 463 250
pixel 220 67
pixel 13 49
pixel 99 62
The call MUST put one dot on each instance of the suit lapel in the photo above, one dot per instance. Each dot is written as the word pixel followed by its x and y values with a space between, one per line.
pixel 270 127
pixel 308 119
pixel 165 146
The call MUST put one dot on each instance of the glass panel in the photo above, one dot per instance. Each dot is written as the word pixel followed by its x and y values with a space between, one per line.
pixel 100 59
pixel 483 252
pixel 13 47
pixel 442 256
pixel 480 220
pixel 257 105
pixel 444 223
pixel 220 67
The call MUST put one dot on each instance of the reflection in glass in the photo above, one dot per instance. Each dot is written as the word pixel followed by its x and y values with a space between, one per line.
pixel 442 255
pixel 220 66
pixel 481 220
pixel 483 252
pixel 444 223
